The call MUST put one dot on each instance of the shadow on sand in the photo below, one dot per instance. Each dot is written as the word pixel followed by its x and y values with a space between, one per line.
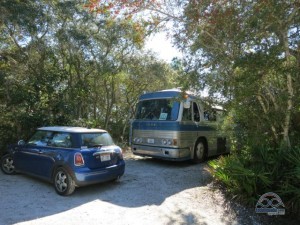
pixel 146 182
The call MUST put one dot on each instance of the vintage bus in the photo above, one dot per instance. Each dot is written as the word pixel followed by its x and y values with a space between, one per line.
pixel 173 125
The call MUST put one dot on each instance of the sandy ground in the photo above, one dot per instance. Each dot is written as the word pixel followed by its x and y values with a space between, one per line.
pixel 151 192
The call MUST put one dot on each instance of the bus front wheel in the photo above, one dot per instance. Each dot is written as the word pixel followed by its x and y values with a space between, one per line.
pixel 199 152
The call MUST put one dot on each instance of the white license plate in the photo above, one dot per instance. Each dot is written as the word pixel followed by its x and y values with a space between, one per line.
pixel 150 141
pixel 105 157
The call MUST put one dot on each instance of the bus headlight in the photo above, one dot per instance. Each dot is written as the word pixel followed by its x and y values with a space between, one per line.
pixel 167 142
pixel 138 140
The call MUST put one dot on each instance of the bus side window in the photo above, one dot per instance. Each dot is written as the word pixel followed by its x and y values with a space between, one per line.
pixel 186 114
pixel 196 112
pixel 206 115
pixel 210 115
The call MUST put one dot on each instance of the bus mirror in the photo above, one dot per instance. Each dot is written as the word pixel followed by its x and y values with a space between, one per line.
pixel 186 104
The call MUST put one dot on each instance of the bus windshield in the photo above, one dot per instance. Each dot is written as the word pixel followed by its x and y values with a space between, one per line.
pixel 158 109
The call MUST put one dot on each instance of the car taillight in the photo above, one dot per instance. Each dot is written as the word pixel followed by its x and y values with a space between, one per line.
pixel 78 159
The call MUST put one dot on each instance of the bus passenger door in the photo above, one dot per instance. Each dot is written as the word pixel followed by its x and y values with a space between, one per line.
pixel 196 113
pixel 212 116
pixel 209 131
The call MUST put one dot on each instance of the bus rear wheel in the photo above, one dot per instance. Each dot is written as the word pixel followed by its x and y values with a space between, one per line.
pixel 199 152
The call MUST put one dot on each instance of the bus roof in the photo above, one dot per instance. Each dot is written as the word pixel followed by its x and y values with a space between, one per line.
pixel 169 93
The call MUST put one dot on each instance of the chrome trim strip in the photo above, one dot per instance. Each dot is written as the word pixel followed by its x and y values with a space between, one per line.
pixel 103 152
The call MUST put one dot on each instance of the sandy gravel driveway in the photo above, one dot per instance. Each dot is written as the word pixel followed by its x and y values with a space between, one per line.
pixel 151 192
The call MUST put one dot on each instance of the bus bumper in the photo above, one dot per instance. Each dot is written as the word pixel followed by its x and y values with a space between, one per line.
pixel 178 154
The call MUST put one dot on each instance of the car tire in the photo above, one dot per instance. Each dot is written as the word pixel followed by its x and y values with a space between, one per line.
pixel 64 184
pixel 117 179
pixel 7 165
pixel 199 152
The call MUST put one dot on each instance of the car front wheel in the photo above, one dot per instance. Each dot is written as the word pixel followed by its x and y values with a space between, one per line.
pixel 63 182
pixel 7 165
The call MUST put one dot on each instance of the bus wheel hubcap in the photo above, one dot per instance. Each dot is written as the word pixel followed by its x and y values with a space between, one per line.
pixel 200 151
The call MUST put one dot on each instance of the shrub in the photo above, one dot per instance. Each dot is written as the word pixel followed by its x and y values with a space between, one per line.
pixel 255 171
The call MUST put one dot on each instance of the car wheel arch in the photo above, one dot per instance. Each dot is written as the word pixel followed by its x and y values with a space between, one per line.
pixel 64 166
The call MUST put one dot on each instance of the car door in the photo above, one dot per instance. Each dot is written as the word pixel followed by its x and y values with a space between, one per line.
pixel 36 157
pixel 58 147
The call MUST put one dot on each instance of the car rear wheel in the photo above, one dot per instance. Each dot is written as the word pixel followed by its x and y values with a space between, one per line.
pixel 117 179
pixel 63 182
pixel 7 165
pixel 199 152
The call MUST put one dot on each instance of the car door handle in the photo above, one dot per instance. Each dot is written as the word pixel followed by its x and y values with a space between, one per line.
pixel 38 151
pixel 41 152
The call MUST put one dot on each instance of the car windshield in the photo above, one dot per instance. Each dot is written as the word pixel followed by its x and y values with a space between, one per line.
pixel 96 139
pixel 158 109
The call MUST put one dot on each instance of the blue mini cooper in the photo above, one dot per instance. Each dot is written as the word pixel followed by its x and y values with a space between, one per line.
pixel 68 157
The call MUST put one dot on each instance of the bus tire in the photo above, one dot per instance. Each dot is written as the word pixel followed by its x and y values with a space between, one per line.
pixel 199 151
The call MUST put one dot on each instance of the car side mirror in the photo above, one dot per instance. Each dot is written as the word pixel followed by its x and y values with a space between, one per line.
pixel 21 142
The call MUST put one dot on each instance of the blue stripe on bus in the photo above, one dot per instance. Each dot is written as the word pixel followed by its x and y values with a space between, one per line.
pixel 169 126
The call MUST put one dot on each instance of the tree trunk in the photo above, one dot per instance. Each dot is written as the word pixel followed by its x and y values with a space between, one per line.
pixel 290 91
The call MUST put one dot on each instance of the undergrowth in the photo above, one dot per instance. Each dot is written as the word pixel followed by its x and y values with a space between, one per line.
pixel 254 171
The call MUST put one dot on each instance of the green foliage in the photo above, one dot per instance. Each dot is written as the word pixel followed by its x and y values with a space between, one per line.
pixel 63 65
pixel 257 170
pixel 247 52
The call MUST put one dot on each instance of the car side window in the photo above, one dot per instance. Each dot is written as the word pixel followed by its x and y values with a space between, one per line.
pixel 61 140
pixel 40 138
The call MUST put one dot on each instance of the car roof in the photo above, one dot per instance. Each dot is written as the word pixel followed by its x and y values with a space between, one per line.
pixel 72 129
